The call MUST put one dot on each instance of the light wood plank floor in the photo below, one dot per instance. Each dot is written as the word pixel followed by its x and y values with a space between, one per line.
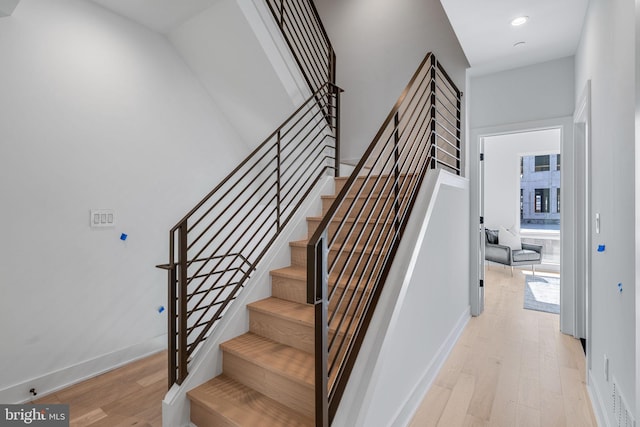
pixel 511 367
pixel 128 396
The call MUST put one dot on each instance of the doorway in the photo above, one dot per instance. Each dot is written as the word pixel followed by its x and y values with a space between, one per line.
pixel 565 127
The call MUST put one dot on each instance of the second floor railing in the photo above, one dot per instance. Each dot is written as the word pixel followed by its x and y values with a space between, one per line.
pixel 307 38
pixel 352 250
pixel 215 248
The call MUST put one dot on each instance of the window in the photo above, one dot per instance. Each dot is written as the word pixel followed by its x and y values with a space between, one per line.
pixel 541 201
pixel 521 204
pixel 558 201
pixel 542 163
pixel 521 166
pixel 558 164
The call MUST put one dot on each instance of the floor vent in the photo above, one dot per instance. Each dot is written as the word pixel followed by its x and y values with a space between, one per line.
pixel 621 414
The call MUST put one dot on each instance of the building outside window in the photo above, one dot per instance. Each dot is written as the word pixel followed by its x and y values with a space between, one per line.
pixel 540 192
pixel 540 204
pixel 542 163
pixel 542 200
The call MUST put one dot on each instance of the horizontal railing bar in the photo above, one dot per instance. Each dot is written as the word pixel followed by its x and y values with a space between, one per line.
pixel 384 186
pixel 381 273
pixel 233 186
pixel 441 94
pixel 449 80
pixel 450 166
pixel 229 236
pixel 256 150
pixel 369 216
pixel 440 150
pixel 453 114
pixel 442 116
pixel 221 287
pixel 239 208
pixel 347 186
pixel 449 143
pixel 449 89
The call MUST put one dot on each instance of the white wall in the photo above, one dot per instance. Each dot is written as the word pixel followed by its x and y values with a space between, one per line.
pixel 222 49
pixel 528 98
pixel 537 92
pixel 502 172
pixel 379 45
pixel 421 312
pixel 606 56
pixel 95 112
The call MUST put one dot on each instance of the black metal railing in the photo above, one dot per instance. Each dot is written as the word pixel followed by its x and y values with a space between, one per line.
pixel 351 251
pixel 307 39
pixel 215 248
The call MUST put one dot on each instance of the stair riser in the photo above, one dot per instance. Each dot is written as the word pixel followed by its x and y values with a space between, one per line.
pixel 299 258
pixel 291 333
pixel 202 417
pixel 370 184
pixel 378 208
pixel 294 334
pixel 287 288
pixel 292 394
pixel 312 225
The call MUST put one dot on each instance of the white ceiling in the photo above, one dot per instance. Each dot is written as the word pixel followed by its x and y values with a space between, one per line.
pixel 159 15
pixel 484 30
pixel 482 26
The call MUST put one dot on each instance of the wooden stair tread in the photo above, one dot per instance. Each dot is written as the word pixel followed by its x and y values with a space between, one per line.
pixel 299 273
pixel 284 309
pixel 348 219
pixel 244 406
pixel 291 272
pixel 284 360
pixel 348 248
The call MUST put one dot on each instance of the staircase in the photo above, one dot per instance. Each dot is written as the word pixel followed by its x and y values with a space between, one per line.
pixel 268 373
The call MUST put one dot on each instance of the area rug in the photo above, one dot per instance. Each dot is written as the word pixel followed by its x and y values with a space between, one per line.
pixel 542 293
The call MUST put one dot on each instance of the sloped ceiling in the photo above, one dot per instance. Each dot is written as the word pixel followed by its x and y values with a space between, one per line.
pixel 159 15
pixel 7 7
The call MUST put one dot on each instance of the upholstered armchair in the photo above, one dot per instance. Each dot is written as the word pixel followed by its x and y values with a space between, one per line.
pixel 511 251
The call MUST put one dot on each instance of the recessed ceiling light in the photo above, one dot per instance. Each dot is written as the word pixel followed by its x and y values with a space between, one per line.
pixel 519 20
pixel 516 44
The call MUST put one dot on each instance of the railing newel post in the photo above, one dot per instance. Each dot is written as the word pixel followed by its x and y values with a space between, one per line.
pixel 317 294
pixel 433 135
pixel 337 91
pixel 182 302
pixel 396 170
pixel 278 181
pixel 171 316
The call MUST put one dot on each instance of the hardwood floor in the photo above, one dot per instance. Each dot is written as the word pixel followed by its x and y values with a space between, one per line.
pixel 128 396
pixel 511 367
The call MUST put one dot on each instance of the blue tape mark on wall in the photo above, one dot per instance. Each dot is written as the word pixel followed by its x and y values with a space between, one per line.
pixel 601 248
pixel 161 309
pixel 620 287
pixel 123 237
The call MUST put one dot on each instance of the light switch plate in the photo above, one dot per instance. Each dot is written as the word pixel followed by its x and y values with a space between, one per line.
pixel 102 218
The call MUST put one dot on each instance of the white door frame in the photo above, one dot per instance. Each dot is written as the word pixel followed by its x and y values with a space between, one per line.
pixel 565 124
pixel 582 200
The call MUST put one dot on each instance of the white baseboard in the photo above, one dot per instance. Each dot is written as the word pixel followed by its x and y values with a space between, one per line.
pixel 57 380
pixel 406 413
pixel 597 403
